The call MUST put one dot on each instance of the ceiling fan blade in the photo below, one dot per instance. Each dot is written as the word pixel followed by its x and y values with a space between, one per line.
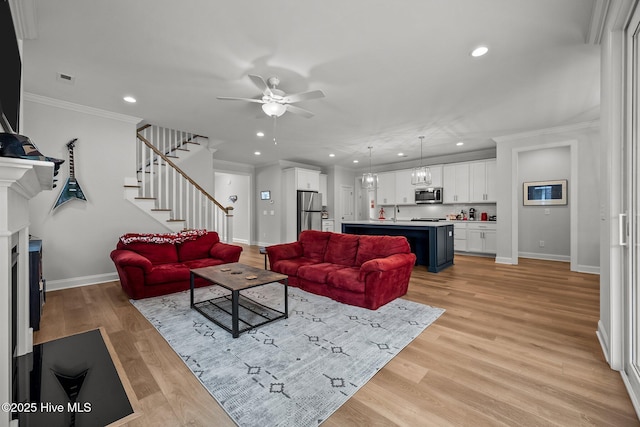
pixel 300 111
pixel 232 98
pixel 260 83
pixel 304 96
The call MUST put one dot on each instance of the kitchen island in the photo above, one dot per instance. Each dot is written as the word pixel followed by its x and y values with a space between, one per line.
pixel 432 242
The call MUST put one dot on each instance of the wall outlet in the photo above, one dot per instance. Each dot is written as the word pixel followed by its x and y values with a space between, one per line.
pixel 541 243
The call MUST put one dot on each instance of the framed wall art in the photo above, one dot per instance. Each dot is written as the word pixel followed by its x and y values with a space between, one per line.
pixel 545 193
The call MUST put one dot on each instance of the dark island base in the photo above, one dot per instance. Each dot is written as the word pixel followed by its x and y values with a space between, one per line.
pixel 433 245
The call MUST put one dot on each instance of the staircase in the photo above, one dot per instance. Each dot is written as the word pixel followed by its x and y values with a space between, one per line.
pixel 165 192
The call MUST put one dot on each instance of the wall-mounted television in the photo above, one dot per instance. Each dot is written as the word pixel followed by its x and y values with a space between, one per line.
pixel 11 69
pixel 545 193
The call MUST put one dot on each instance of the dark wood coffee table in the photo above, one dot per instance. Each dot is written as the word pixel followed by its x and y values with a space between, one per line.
pixel 237 313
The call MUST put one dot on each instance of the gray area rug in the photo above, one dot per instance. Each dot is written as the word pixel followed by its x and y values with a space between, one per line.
pixel 295 371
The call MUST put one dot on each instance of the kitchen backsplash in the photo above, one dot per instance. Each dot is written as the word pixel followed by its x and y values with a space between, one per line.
pixel 438 211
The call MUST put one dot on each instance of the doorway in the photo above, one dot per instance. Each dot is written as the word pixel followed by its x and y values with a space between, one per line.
pixel 516 199
pixel 234 189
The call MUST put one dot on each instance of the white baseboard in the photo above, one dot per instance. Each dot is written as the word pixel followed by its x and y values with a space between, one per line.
pixel 504 260
pixel 603 338
pixel 265 244
pixel 241 241
pixel 75 282
pixel 548 257
pixel 591 269
pixel 632 395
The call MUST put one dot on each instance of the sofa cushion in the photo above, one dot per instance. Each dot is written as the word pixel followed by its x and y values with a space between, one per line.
pixel 197 248
pixel 163 273
pixel 371 247
pixel 347 279
pixel 290 266
pixel 342 249
pixel 317 272
pixel 314 244
pixel 204 262
pixel 157 253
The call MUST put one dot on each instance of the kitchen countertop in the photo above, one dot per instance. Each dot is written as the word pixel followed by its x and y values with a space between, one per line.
pixel 406 222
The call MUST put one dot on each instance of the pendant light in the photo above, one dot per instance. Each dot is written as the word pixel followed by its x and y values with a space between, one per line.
pixel 370 180
pixel 422 174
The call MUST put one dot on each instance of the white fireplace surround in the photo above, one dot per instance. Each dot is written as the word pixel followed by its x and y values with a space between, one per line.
pixel 20 180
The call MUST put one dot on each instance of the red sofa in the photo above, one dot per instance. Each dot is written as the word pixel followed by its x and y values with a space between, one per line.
pixel 158 264
pixel 366 271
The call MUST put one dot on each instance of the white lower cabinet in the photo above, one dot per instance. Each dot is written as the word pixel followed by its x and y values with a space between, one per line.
pixel 460 237
pixel 481 238
pixel 328 225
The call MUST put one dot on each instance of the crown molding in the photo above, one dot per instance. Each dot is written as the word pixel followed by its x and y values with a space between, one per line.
pixel 80 108
pixel 598 19
pixel 593 124
pixel 23 13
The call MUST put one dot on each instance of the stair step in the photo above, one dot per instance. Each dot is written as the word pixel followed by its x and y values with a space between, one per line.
pixel 173 157
pixel 145 198
pixel 175 220
pixel 160 210
pixel 191 142
pixel 132 186
pixel 182 149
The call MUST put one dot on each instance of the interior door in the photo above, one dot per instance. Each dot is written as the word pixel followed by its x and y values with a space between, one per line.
pixel 346 203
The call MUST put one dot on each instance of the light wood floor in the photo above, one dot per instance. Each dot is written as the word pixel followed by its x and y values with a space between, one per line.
pixel 516 347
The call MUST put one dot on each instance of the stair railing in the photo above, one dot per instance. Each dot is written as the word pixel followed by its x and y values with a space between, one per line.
pixel 173 190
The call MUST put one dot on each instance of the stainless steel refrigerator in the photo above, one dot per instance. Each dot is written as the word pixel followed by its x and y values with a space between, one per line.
pixel 309 211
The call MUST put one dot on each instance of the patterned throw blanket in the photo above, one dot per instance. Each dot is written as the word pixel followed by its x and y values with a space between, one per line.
pixel 173 238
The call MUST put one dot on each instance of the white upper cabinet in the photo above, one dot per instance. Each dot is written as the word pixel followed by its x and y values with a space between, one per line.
pixel 455 183
pixel 436 175
pixel 307 179
pixel 386 192
pixel 405 191
pixel 482 181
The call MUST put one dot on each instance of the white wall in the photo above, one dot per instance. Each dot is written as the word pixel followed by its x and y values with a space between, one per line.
pixel 268 227
pixel 550 224
pixel 78 236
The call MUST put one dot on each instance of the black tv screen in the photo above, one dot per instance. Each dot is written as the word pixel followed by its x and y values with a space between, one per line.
pixel 10 68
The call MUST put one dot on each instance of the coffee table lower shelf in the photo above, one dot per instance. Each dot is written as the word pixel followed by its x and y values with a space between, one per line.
pixel 251 314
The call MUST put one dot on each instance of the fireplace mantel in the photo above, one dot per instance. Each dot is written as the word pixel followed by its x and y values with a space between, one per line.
pixel 20 180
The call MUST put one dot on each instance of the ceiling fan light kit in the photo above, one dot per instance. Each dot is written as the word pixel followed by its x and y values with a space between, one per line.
pixel 274 109
pixel 422 174
pixel 276 102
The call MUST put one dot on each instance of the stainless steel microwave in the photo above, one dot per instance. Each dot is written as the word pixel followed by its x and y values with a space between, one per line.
pixel 429 195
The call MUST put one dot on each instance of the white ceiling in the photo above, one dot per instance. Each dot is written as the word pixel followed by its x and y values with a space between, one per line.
pixel 391 71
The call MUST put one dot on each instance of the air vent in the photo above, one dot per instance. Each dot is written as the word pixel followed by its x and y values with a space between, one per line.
pixel 66 78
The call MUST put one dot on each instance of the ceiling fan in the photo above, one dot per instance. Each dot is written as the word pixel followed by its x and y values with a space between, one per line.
pixel 274 101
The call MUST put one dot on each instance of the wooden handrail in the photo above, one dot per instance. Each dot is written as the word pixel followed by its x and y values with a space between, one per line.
pixel 140 129
pixel 184 175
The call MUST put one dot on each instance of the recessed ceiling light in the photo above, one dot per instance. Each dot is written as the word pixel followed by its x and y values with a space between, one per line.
pixel 460 143
pixel 479 51
pixel 355 161
pixel 400 154
pixel 332 155
pixel 129 99
pixel 257 153
pixel 260 134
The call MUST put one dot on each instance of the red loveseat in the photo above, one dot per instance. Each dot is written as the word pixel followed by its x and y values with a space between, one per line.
pixel 158 264
pixel 366 271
